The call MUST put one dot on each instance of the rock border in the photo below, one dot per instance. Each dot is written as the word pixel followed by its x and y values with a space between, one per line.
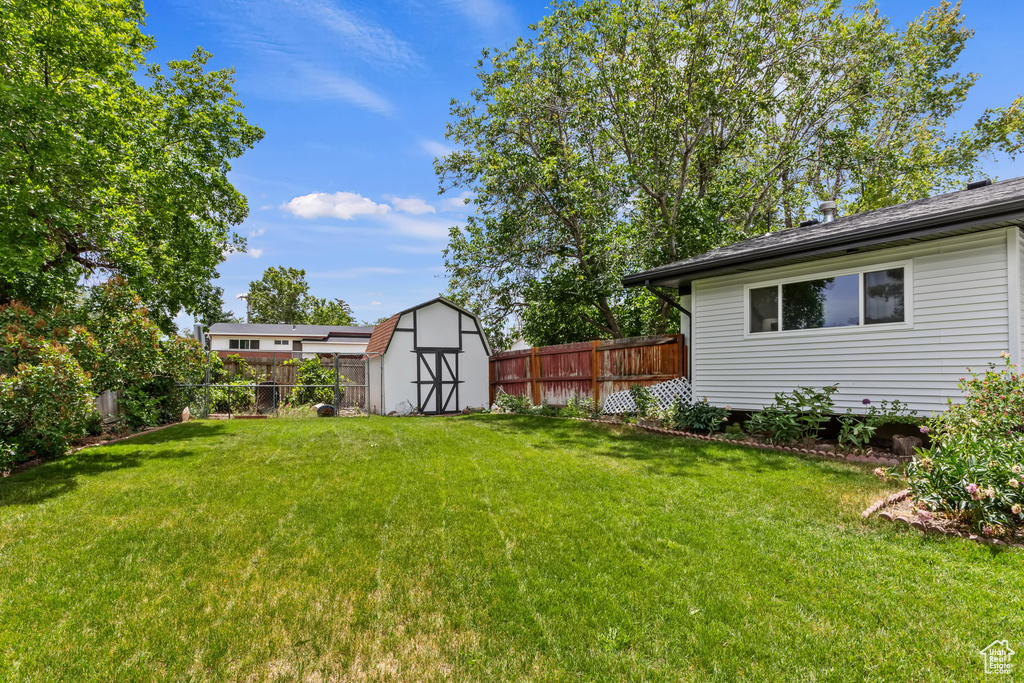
pixel 828 455
pixel 924 527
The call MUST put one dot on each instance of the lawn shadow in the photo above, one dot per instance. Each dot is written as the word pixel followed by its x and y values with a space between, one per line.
pixel 58 477
pixel 662 453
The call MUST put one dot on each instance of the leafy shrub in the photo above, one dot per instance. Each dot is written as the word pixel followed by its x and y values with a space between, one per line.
pixel 312 371
pixel 578 406
pixel 797 415
pixel 512 404
pixel 974 469
pixel 643 399
pixel 235 396
pixel 139 407
pixel 45 404
pixel 735 431
pixel 856 431
pixel 700 416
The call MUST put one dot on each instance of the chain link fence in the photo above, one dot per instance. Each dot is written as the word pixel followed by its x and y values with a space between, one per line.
pixel 279 384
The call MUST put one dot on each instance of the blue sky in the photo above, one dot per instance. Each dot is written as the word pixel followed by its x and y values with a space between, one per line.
pixel 354 98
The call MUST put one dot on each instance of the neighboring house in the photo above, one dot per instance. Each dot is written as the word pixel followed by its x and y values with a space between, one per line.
pixel 519 345
pixel 894 303
pixel 263 341
pixel 432 358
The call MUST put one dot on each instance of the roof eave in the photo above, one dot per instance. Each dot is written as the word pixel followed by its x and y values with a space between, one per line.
pixel 931 227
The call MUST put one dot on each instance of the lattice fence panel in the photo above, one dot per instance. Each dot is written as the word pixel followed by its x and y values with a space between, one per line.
pixel 664 393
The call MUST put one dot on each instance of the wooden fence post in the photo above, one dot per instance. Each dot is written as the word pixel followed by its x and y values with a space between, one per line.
pixel 534 376
pixel 595 368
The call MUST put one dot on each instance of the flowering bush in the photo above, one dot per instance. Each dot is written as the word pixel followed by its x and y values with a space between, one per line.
pixel 44 404
pixel 975 467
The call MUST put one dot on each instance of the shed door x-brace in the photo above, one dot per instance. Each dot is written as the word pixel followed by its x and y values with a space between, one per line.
pixel 437 381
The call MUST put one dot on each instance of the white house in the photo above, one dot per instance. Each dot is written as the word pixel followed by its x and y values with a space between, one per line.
pixel 433 358
pixel 894 303
pixel 263 340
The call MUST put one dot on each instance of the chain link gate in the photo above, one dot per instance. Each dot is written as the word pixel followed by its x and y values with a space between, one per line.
pixel 286 384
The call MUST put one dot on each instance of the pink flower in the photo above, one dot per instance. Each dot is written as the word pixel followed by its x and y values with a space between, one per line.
pixel 925 430
pixel 1015 509
pixel 988 531
pixel 880 473
pixel 972 488
pixel 866 401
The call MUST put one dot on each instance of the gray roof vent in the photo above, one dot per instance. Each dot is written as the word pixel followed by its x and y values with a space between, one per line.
pixel 813 221
pixel 979 183
pixel 828 212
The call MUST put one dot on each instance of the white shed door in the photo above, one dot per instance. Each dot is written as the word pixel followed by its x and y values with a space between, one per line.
pixel 437 381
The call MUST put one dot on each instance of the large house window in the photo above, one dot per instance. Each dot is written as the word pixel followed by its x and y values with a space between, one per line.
pixel 244 344
pixel 847 300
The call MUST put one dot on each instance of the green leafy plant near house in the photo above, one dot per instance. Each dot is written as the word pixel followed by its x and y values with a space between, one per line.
pixel 580 407
pixel 974 469
pixel 699 416
pixel 856 431
pixel 797 415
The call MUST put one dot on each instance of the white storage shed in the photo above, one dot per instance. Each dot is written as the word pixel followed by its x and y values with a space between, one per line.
pixel 432 358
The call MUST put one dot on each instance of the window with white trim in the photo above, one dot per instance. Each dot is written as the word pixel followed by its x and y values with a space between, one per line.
pixel 847 300
pixel 244 344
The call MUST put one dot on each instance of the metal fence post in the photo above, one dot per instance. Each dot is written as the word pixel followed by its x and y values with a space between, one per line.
pixel 206 384
pixel 337 397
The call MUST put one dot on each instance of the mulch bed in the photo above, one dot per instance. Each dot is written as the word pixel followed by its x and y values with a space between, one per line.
pixel 899 509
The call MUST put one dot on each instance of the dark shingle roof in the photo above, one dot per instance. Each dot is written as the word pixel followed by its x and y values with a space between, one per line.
pixel 382 335
pixel 978 208
pixel 307 331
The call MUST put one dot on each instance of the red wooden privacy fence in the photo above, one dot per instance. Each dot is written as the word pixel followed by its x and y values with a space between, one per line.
pixel 595 369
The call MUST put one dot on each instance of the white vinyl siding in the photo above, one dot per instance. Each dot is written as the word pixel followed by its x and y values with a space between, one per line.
pixel 958 317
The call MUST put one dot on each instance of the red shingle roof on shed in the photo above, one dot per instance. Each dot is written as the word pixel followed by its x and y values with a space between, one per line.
pixel 381 336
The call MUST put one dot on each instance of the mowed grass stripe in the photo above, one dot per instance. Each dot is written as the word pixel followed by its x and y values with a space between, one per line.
pixel 476 548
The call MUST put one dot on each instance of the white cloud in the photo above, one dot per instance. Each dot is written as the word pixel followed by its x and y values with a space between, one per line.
pixel 420 228
pixel 375 303
pixel 435 148
pixel 363 37
pixel 417 248
pixel 257 233
pixel 413 205
pixel 486 14
pixel 346 273
pixel 344 205
pixel 457 203
pixel 326 85
pixel 255 253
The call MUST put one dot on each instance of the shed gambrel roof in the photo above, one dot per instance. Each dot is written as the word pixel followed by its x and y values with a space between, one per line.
pixel 381 338
pixel 1000 204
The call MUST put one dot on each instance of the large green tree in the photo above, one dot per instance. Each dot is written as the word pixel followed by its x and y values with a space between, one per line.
pixel 110 166
pixel 624 135
pixel 281 295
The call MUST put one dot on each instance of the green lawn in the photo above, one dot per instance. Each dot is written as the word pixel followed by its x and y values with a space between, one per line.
pixel 477 548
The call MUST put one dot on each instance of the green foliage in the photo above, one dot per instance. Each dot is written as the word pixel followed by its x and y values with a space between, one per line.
pixel 609 141
pixel 974 469
pixel 699 416
pixel 856 431
pixel 312 371
pixel 328 312
pixel 581 407
pixel 512 404
pixel 141 408
pixel 282 295
pixel 102 173
pixel 735 431
pixel 45 404
pixel 546 409
pixel 643 400
pixel 797 415
pixel 234 396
